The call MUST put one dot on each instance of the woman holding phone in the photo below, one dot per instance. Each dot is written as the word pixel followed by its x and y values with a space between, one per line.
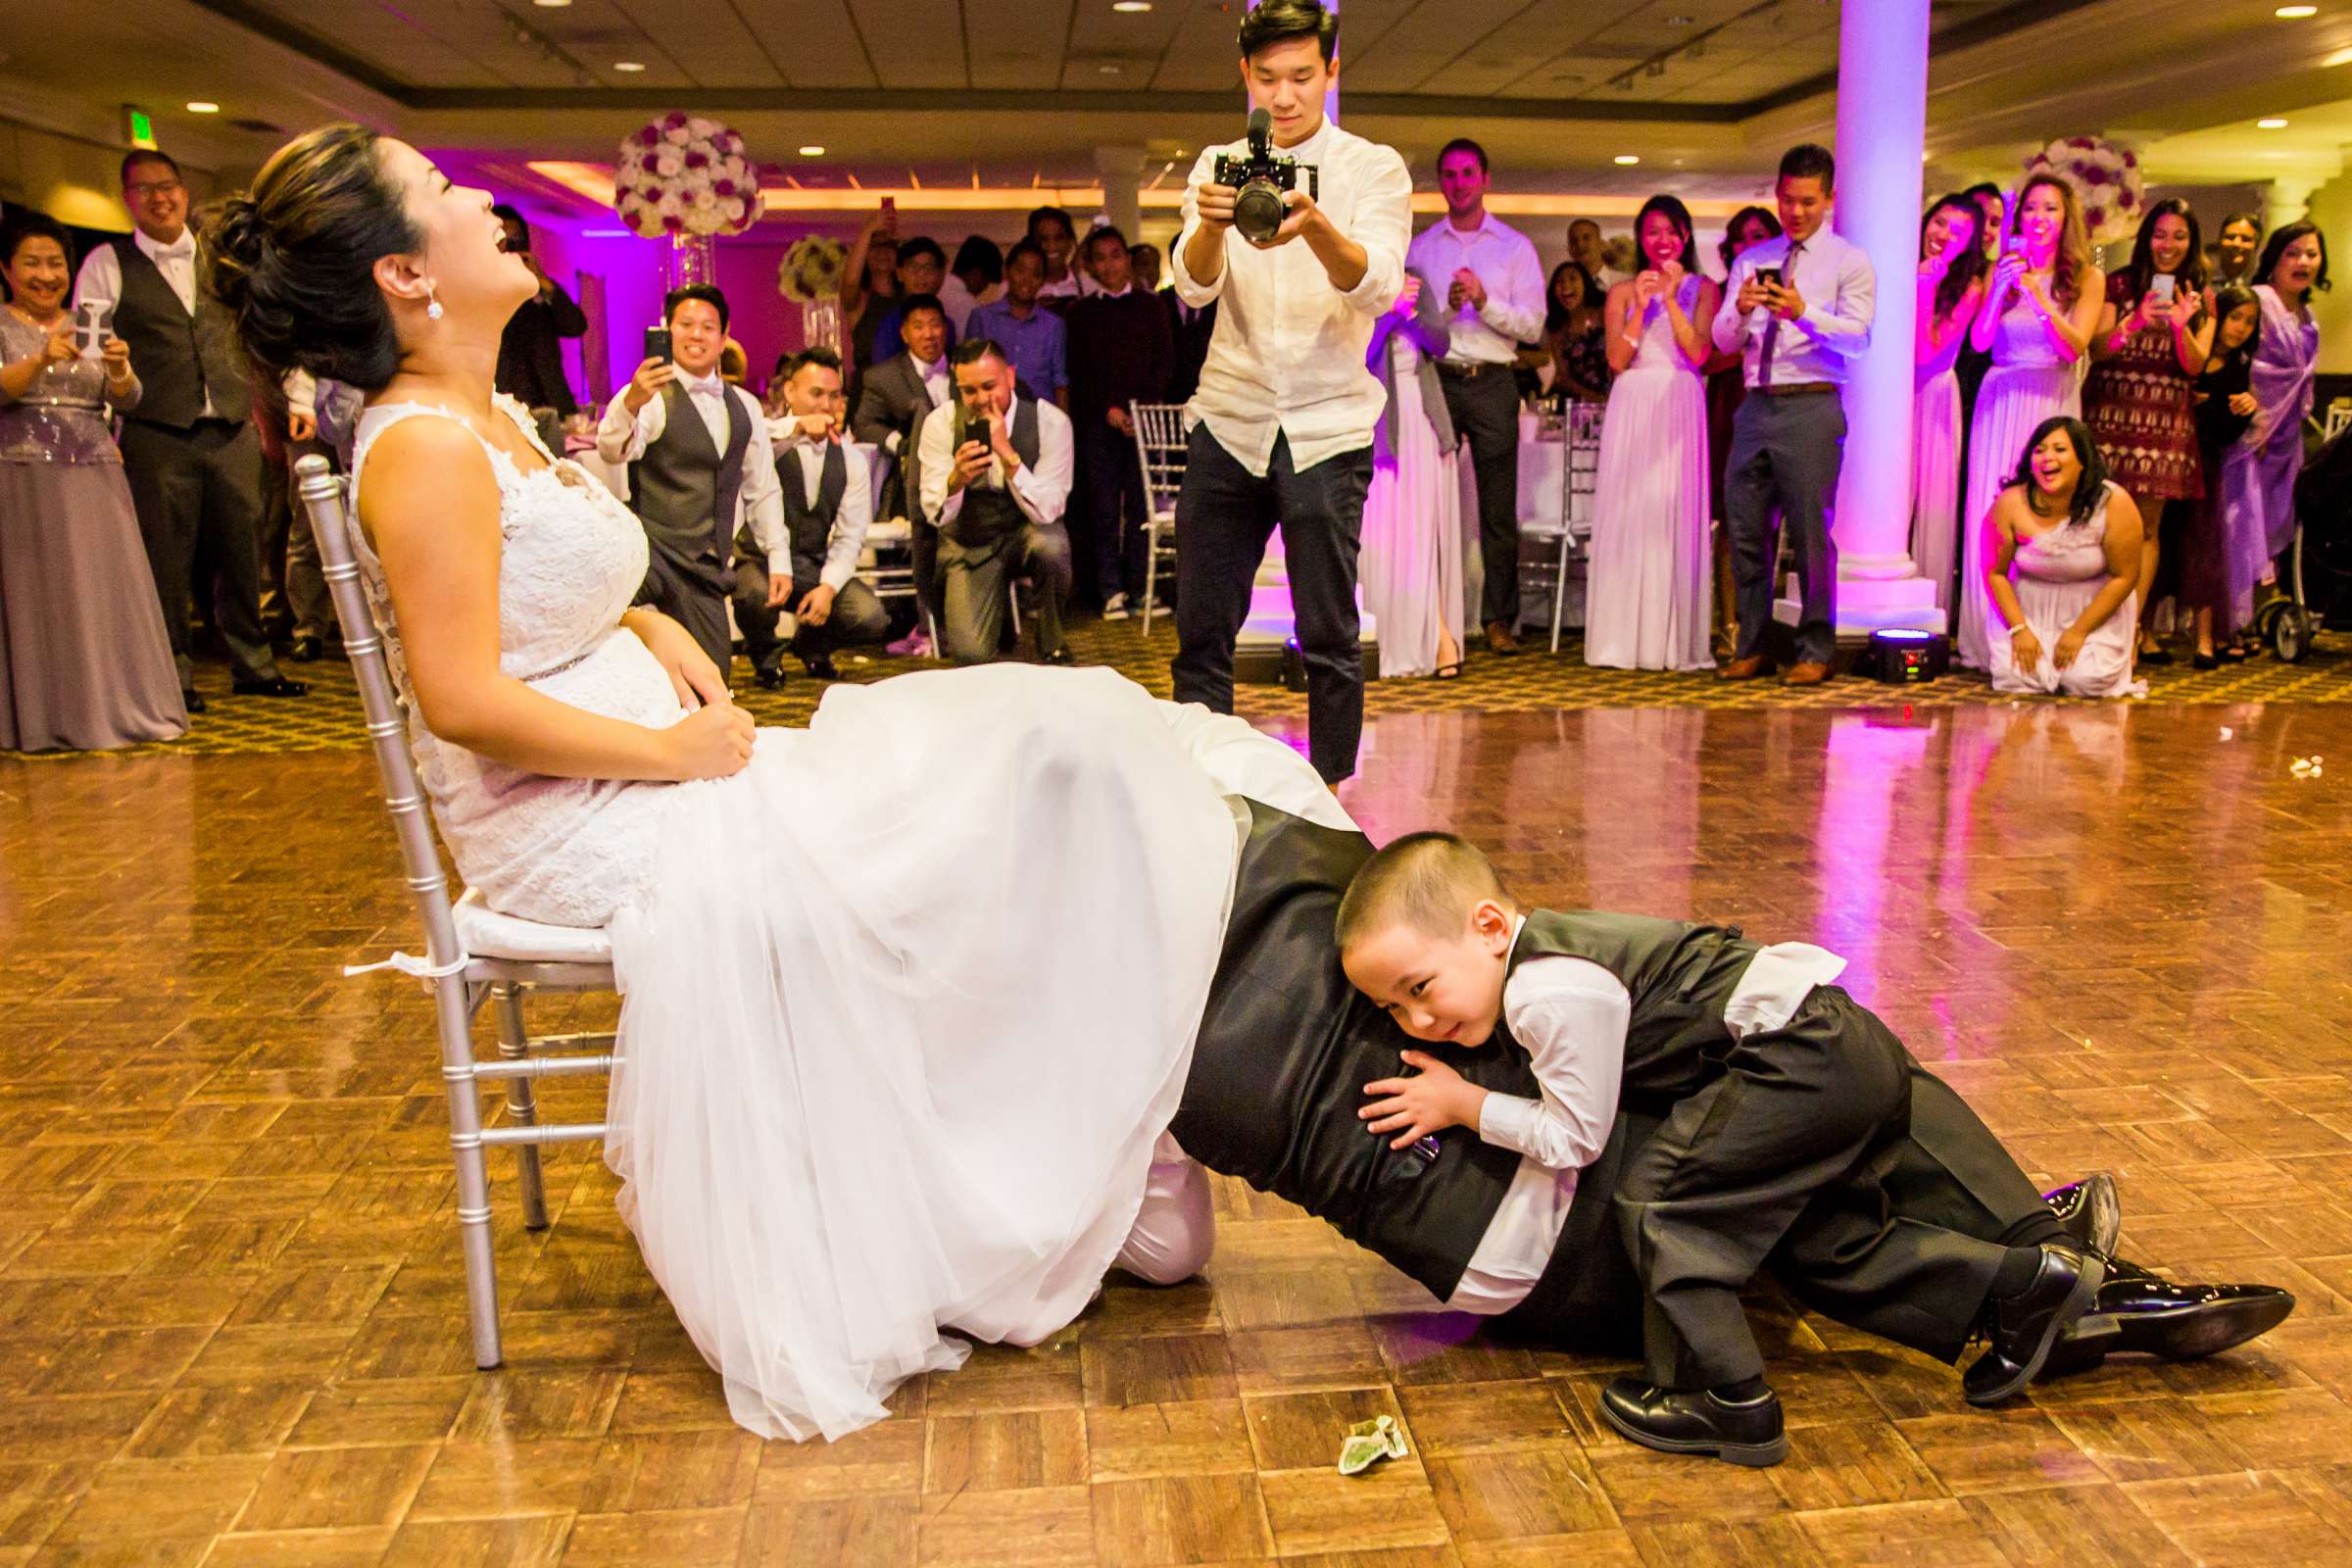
pixel 2038 319
pixel 1951 287
pixel 2151 345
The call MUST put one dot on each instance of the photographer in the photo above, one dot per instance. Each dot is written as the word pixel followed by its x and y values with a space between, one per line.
pixel 1281 423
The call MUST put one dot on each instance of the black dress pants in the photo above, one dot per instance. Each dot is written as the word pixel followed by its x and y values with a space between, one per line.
pixel 201 490
pixel 1485 409
pixel 1785 454
pixel 1224 516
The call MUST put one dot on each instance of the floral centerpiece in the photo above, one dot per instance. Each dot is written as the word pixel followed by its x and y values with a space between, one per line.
pixel 2106 182
pixel 809 275
pixel 686 180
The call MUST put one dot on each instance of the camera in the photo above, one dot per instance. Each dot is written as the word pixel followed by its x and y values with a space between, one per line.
pixel 1259 178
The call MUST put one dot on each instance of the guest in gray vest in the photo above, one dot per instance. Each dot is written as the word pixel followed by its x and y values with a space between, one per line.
pixel 996 477
pixel 697 483
pixel 189 448
pixel 828 502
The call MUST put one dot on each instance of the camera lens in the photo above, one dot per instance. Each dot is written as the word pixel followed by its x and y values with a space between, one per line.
pixel 1257 209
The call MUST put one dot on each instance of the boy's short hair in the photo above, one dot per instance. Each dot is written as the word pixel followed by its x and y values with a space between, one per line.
pixel 1273 22
pixel 1429 881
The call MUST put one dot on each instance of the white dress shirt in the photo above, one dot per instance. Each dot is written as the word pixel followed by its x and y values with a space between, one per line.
pixel 1505 262
pixel 1571 1015
pixel 855 515
pixel 759 501
pixel 960 302
pixel 1042 493
pixel 101 276
pixel 1076 283
pixel 935 382
pixel 1839 289
pixel 1288 355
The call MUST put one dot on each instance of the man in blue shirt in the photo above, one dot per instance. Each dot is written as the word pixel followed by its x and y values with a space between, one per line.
pixel 1033 338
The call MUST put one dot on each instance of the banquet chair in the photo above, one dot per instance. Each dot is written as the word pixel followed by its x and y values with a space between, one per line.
pixel 1159 446
pixel 1565 545
pixel 473 954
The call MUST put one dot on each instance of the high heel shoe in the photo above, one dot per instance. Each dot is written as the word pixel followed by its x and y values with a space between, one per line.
pixel 2204 662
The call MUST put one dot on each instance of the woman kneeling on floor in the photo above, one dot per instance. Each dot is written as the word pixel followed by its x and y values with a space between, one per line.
pixel 2062 552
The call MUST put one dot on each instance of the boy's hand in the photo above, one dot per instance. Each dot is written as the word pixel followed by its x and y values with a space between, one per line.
pixel 1435 1099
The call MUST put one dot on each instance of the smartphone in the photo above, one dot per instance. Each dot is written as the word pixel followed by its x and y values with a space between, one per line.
pixel 657 343
pixel 2160 288
pixel 1769 277
pixel 890 214
pixel 93 319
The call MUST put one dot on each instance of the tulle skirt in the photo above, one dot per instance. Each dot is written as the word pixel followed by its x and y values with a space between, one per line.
pixel 2014 400
pixel 1650 585
pixel 913 995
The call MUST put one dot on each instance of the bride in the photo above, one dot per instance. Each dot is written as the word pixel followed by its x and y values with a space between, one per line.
pixel 908 996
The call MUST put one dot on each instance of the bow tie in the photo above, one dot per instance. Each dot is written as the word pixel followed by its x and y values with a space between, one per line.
pixel 702 386
pixel 182 249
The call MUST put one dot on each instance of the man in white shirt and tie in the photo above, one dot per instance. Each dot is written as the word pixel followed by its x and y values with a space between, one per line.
pixel 189 449
pixel 1493 285
pixel 1281 423
pixel 826 504
pixel 697 483
pixel 1797 310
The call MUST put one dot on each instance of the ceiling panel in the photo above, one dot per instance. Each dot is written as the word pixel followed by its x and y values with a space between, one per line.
pixel 710 41
pixel 914 44
pixel 396 46
pixel 1020 44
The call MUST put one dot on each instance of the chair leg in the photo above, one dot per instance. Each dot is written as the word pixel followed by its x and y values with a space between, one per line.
pixel 456 1022
pixel 1150 571
pixel 1560 590
pixel 1013 592
pixel 522 1105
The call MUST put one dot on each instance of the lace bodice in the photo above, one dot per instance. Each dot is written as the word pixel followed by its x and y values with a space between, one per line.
pixel 564 851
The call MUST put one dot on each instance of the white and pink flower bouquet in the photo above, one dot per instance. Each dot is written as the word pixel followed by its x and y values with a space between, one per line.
pixel 2106 180
pixel 810 271
pixel 685 175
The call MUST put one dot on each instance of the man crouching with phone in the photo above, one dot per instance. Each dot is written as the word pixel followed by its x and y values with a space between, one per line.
pixel 1281 427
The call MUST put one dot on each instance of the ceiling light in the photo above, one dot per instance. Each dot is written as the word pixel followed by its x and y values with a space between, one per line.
pixel 812 151
pixel 2272 124
pixel 2295 13
pixel 631 67
pixel 200 106
pixel 1109 71
pixel 1131 7
pixel 1627 158
pixel 551 5
pixel 2342 57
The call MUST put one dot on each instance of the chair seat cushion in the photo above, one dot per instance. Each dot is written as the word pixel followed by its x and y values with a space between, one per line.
pixel 488 934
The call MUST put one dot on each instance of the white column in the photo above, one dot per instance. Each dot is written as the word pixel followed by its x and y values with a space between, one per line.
pixel 2288 199
pixel 1881 133
pixel 1121 171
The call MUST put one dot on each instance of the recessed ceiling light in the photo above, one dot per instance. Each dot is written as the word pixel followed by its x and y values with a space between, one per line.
pixel 2295 13
pixel 2272 124
pixel 1109 70
pixel 551 5
pixel 1131 7
pixel 2342 57
pixel 813 152
pixel 630 67
pixel 200 106
pixel 1627 158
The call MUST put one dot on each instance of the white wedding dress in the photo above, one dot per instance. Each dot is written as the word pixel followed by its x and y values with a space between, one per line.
pixel 906 1001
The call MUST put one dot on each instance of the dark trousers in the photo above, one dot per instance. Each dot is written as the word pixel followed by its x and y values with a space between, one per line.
pixel 1794 1114
pixel 1485 409
pixel 694 594
pixel 976 587
pixel 195 490
pixel 1785 453
pixel 294 595
pixel 1112 479
pixel 857 618
pixel 1224 516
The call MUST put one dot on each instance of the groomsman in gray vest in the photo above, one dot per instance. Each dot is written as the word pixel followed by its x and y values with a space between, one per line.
pixel 697 483
pixel 994 469
pixel 828 503
pixel 189 448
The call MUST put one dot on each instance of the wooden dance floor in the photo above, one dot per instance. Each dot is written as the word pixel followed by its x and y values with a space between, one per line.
pixel 232 1323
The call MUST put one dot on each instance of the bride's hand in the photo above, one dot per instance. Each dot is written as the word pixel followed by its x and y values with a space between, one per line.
pixel 697 680
pixel 711 742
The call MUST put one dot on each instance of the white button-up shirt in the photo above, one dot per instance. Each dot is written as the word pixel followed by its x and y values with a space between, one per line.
pixel 1288 355
pixel 1505 262
pixel 1042 492
pixel 101 276
pixel 851 520
pixel 760 502
pixel 1572 1015
pixel 1841 292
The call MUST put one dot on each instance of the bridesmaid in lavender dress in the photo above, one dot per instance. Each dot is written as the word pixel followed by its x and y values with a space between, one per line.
pixel 1412 531
pixel 2064 543
pixel 2038 319
pixel 1952 285
pixel 1648 594
pixel 2258 480
pixel 83 658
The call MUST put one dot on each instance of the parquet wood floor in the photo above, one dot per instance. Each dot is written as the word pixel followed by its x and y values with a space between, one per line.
pixel 232 1329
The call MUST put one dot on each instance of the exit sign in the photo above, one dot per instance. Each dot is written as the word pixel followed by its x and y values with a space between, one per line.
pixel 138 130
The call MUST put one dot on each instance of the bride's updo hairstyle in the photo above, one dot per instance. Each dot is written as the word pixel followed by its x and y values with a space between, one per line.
pixel 293 260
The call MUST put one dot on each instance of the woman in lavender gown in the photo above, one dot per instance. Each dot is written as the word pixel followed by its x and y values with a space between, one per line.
pixel 2258 478
pixel 1952 285
pixel 83 658
pixel 1412 533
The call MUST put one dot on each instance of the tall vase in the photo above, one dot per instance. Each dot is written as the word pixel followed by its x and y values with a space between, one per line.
pixel 691 259
pixel 820 324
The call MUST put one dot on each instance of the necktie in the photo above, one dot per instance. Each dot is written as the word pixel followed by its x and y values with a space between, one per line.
pixel 1772 328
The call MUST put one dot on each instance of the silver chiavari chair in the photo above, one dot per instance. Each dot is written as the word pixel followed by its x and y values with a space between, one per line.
pixel 1160 446
pixel 473 955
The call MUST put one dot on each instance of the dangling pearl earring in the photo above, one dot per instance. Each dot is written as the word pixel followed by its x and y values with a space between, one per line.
pixel 432 309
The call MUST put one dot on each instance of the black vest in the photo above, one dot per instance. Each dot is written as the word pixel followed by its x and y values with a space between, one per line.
pixel 811 528
pixel 685 488
pixel 180 357
pixel 1286 1047
pixel 1681 977
pixel 988 512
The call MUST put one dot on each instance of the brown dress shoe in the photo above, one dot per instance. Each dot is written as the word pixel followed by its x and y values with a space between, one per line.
pixel 1808 674
pixel 1748 668
pixel 1501 639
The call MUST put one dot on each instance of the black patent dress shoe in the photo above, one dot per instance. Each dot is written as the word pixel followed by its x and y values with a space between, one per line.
pixel 192 700
pixel 2139 1313
pixel 2024 1327
pixel 767 680
pixel 1747 1432
pixel 1060 656
pixel 2090 1210
pixel 274 686
pixel 307 650
pixel 823 667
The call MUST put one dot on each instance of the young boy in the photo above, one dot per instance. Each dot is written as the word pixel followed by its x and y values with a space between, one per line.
pixel 1783 1094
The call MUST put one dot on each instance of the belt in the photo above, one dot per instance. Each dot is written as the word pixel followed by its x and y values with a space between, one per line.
pixel 1469 369
pixel 1798 389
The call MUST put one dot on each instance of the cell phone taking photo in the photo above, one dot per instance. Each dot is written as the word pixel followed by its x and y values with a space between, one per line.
pixel 93 322
pixel 657 344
